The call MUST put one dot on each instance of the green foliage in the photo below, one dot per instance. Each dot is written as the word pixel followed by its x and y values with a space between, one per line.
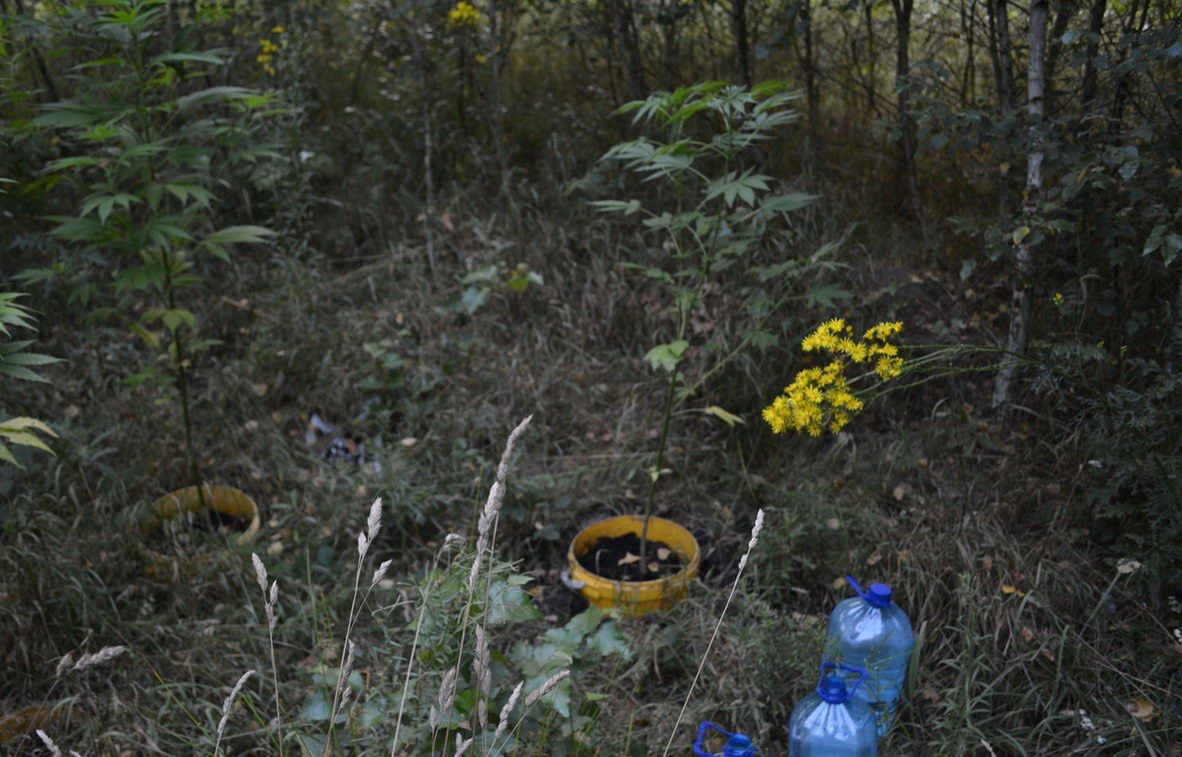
pixel 16 362
pixel 145 145
pixel 720 217
pixel 585 641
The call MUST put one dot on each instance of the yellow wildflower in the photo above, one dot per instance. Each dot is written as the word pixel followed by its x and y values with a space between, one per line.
pixel 464 14
pixel 820 398
pixel 883 331
pixel 277 29
pixel 1058 299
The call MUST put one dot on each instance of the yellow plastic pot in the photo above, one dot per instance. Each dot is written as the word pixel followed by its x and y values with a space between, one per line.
pixel 224 500
pixel 635 598
pixel 24 722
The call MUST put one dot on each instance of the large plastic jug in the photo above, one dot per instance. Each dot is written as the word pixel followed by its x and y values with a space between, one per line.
pixel 871 632
pixel 832 722
pixel 737 745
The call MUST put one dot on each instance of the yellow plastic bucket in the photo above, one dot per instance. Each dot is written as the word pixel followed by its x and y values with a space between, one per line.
pixel 225 500
pixel 24 722
pixel 635 598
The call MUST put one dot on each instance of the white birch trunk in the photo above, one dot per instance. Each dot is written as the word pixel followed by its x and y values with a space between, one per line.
pixel 1020 305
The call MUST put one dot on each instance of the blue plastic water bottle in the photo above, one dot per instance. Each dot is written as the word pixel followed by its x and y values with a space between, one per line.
pixel 737 745
pixel 871 632
pixel 832 722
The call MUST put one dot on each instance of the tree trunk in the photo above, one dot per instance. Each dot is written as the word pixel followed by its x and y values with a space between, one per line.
pixel 625 28
pixel 1005 57
pixel 906 175
pixel 1066 12
pixel 871 56
pixel 50 87
pixel 742 53
pixel 1024 265
pixel 812 93
pixel 1137 18
pixel 1095 27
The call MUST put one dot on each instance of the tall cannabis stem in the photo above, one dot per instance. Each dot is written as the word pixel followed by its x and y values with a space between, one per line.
pixel 182 382
pixel 655 475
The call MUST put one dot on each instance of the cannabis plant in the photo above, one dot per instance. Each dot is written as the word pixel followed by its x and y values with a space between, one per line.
pixel 716 211
pixel 149 141
pixel 17 362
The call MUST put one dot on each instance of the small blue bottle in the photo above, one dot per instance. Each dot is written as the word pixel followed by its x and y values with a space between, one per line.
pixel 870 632
pixel 737 745
pixel 832 722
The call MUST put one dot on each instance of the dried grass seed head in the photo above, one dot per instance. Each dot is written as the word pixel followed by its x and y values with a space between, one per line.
pixel 229 702
pixel 546 687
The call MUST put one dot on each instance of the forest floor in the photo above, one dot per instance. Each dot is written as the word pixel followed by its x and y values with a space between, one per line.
pixel 1030 642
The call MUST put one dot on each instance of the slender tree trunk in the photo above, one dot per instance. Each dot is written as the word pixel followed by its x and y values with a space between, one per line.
pixel 871 56
pixel 968 84
pixel 1137 18
pixel 625 28
pixel 742 52
pixel 1066 11
pixel 906 173
pixel 1095 27
pixel 1024 265
pixel 1005 56
pixel 50 87
pixel 812 92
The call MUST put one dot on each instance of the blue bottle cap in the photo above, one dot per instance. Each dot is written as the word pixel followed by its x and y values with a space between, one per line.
pixel 738 745
pixel 832 689
pixel 879 595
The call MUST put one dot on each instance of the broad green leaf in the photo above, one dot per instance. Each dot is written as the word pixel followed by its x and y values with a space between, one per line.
pixel 239 235
pixel 787 203
pixel 827 295
pixel 207 57
pixel 667 356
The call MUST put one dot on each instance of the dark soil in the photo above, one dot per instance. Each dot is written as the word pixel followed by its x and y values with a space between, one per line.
pixel 615 558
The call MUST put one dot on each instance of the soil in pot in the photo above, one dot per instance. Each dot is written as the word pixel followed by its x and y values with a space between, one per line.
pixel 617 558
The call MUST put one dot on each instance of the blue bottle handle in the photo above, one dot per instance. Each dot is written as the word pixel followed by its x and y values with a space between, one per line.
pixel 847 668
pixel 857 587
pixel 702 735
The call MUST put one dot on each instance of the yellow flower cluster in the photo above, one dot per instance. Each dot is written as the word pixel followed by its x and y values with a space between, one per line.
pixel 268 50
pixel 836 337
pixel 463 15
pixel 821 397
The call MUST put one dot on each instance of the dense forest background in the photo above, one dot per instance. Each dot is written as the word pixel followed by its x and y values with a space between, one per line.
pixel 330 251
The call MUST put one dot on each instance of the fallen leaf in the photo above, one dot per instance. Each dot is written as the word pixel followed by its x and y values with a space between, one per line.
pixel 904 555
pixel 900 492
pixel 628 559
pixel 833 524
pixel 409 441
pixel 922 462
pixel 654 567
pixel 1009 589
pixel 1142 709
pixel 446 222
pixel 838 583
pixel 663 553
pixel 725 416
pixel 987 562
pixel 930 694
pixel 874 558
pixel 1027 634
pixel 260 389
